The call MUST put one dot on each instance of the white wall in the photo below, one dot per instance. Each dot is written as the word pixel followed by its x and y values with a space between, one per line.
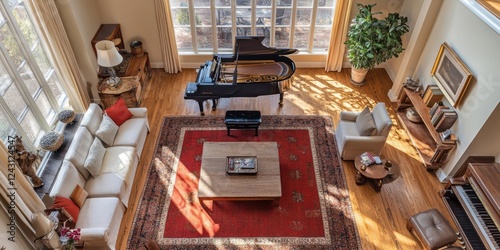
pixel 478 47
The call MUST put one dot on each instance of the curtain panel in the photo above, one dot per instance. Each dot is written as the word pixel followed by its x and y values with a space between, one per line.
pixel 170 54
pixel 47 18
pixel 340 26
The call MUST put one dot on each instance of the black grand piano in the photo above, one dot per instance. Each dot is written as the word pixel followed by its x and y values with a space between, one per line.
pixel 252 70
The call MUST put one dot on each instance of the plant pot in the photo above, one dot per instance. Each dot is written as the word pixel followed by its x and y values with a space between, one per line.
pixel 358 76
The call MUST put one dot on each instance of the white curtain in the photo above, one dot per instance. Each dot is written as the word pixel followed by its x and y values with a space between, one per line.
pixel 338 35
pixel 52 30
pixel 170 55
pixel 16 190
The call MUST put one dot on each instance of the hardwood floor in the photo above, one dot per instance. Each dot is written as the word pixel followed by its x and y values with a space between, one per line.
pixel 380 217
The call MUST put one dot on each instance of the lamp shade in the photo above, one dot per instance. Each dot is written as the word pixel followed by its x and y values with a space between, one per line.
pixel 41 224
pixel 107 54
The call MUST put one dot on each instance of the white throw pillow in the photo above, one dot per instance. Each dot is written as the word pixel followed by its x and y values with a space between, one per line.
pixel 107 130
pixel 365 123
pixel 94 159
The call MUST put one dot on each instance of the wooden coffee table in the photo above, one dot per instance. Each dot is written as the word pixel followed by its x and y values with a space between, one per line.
pixel 376 174
pixel 216 184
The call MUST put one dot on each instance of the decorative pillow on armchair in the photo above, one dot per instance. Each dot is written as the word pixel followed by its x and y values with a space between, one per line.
pixel 119 112
pixel 107 130
pixel 70 206
pixel 79 195
pixel 365 123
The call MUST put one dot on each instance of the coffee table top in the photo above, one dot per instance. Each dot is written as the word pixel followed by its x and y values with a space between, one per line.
pixel 215 183
pixel 378 171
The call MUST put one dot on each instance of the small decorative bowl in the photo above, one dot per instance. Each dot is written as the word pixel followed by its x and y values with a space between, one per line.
pixel 52 141
pixel 412 115
pixel 66 116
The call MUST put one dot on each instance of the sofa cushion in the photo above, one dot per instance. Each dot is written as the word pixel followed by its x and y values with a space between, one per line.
pixel 92 118
pixel 365 123
pixel 79 149
pixel 94 159
pixel 119 160
pixel 119 112
pixel 68 205
pixel 66 180
pixel 130 132
pixel 105 185
pixel 79 195
pixel 107 131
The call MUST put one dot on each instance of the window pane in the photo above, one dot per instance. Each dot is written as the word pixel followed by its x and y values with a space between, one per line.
pixel 183 38
pixel 284 3
pixel 31 128
pixel 223 16
pixel 178 3
pixel 204 37
pixel 24 22
pixel 263 16
pixel 222 3
pixel 324 17
pixel 326 3
pixel 283 16
pixel 225 36
pixel 203 17
pixel 181 16
pixel 55 87
pixel 29 79
pixel 263 2
pixel 41 60
pixel 5 128
pixel 303 16
pixel 201 3
pixel 321 38
pixel 14 100
pixel 5 80
pixel 243 2
pixel 243 31
pixel 305 3
pixel 7 39
pixel 301 37
pixel 282 37
pixel 44 106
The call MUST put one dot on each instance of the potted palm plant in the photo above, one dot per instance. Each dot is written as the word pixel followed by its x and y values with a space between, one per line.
pixel 371 41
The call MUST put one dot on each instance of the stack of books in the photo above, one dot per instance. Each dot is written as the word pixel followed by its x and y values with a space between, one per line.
pixel 432 95
pixel 442 117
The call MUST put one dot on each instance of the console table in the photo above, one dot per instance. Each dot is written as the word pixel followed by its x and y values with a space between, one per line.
pixel 433 151
pixel 130 90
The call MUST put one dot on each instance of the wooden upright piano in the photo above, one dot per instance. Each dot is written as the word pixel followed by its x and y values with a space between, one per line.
pixel 474 203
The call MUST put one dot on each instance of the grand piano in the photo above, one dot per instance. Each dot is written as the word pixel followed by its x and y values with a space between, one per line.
pixel 252 70
pixel 474 203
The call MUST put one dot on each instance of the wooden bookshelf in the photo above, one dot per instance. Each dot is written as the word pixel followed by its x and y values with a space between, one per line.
pixel 425 138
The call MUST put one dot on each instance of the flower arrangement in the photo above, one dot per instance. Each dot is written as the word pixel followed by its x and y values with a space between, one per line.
pixel 69 237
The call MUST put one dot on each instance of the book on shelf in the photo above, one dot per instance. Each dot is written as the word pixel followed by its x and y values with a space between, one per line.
pixel 434 107
pixel 440 113
pixel 446 121
pixel 432 95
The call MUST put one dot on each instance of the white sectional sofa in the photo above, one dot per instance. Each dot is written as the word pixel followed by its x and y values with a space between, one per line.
pixel 109 186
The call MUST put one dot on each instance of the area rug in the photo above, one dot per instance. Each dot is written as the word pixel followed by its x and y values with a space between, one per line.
pixel 314 211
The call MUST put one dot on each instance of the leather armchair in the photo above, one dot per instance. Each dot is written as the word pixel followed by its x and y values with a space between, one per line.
pixel 351 143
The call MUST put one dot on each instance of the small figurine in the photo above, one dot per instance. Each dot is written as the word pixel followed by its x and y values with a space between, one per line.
pixel 25 160
pixel 411 84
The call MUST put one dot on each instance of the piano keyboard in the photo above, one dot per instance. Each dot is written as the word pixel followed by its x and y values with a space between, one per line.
pixel 479 216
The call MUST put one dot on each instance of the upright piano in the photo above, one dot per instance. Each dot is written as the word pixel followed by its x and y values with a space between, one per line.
pixel 474 203
pixel 252 70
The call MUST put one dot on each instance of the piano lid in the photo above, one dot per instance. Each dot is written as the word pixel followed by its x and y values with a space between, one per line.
pixel 252 45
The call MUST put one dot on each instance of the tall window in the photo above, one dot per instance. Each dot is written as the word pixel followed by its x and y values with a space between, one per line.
pixel 211 25
pixel 30 91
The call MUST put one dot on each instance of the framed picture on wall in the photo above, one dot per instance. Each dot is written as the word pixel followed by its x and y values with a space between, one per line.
pixel 450 74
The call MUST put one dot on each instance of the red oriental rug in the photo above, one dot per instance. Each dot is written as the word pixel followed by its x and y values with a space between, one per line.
pixel 314 211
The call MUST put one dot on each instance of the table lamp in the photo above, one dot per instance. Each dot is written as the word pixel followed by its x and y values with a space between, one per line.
pixel 108 56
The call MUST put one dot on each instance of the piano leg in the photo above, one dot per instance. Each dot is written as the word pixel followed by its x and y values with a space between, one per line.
pixel 281 99
pixel 200 104
pixel 214 104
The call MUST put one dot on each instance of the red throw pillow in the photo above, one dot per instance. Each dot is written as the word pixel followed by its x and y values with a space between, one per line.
pixel 119 112
pixel 68 205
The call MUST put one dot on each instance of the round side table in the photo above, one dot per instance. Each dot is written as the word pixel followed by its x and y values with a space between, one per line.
pixel 376 174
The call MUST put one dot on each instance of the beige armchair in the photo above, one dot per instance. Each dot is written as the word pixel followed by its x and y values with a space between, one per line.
pixel 359 132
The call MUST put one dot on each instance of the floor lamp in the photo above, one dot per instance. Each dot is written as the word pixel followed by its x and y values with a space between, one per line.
pixel 108 56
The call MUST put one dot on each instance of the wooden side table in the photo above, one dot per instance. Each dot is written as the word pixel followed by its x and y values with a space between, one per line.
pixel 130 90
pixel 138 66
pixel 376 174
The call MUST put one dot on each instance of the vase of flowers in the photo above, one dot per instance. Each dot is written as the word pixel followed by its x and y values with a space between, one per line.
pixel 69 237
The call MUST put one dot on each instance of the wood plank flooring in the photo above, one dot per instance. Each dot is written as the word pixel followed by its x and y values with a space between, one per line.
pixel 380 217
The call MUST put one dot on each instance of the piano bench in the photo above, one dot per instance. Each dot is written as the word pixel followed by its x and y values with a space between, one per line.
pixel 243 119
pixel 432 229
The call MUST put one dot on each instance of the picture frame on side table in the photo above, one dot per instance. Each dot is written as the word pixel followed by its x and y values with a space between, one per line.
pixel 451 74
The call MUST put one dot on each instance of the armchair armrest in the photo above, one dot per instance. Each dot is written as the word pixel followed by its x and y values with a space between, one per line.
pixel 348 115
pixel 364 143
pixel 93 234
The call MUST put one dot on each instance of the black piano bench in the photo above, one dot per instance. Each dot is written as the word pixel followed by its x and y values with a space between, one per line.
pixel 243 119
pixel 432 229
